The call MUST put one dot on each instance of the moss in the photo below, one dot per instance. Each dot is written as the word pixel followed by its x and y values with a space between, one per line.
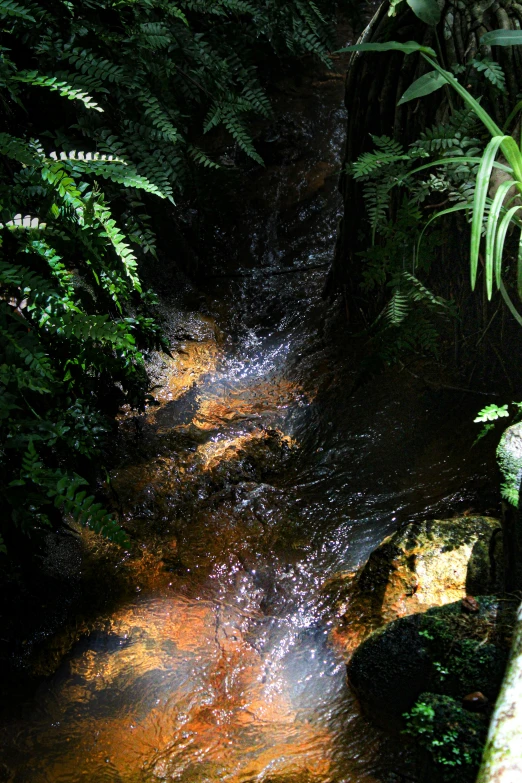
pixel 444 651
pixel 451 738
pixel 468 652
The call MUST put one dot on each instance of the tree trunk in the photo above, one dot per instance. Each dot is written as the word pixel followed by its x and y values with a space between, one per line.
pixel 502 760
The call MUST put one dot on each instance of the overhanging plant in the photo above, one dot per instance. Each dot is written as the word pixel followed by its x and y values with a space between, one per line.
pixel 503 209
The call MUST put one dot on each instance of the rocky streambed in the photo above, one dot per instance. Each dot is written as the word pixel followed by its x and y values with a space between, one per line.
pixel 215 646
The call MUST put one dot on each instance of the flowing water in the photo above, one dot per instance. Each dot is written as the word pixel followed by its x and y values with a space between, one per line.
pixel 255 481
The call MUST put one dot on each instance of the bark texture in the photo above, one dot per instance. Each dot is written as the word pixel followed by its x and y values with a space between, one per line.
pixel 502 761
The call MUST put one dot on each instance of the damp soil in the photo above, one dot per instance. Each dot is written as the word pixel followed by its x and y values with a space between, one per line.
pixel 205 651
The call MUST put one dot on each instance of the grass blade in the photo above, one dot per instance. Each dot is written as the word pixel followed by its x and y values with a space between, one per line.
pixel 479 202
pixel 512 309
pixel 499 246
pixel 462 159
pixel 491 231
pixel 502 38
pixel 390 46
pixel 456 208
pixel 483 116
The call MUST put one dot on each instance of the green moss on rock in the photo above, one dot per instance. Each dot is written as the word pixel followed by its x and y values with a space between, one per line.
pixel 444 651
pixel 509 458
pixel 451 738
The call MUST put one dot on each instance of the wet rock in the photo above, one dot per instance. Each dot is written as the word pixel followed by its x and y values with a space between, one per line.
pixel 509 458
pixel 443 651
pixel 425 564
pixel 389 670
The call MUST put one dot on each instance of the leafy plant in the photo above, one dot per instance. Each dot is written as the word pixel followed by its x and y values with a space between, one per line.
pixel 498 212
pixel 119 98
pixel 451 736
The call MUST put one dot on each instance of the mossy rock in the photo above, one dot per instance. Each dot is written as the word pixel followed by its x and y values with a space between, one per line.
pixel 451 739
pixel 509 458
pixel 423 565
pixel 445 651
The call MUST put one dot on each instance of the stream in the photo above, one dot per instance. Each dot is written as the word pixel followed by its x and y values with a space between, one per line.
pixel 255 486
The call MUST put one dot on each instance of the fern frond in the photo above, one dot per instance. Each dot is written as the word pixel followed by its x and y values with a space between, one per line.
pixel 492 71
pixel 86 61
pixel 121 247
pixel 155 112
pixel 397 308
pixel 17 149
pixel 51 82
pixel 12 8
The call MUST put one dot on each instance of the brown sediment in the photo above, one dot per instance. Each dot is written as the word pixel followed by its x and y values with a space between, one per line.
pixel 248 402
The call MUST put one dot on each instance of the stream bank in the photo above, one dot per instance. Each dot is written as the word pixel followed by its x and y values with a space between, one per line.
pixel 204 651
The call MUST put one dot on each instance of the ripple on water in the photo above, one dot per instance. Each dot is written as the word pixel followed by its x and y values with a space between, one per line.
pixel 178 689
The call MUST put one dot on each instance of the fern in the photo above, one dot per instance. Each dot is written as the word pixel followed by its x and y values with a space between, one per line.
pixel 369 162
pixel 77 189
pixel 397 308
pixel 66 90
pixel 97 68
pixel 154 111
pixel 450 138
pixel 11 8
pixel 492 71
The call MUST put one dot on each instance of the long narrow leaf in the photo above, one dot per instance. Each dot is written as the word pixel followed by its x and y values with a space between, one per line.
pixel 499 243
pixel 512 115
pixel 513 310
pixel 479 202
pixel 519 266
pixel 502 38
pixel 462 159
pixel 449 210
pixel 483 116
pixel 407 48
pixel 491 231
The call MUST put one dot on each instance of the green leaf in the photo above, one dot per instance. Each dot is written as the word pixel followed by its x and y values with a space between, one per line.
pixel 479 203
pixel 428 11
pixel 511 307
pixel 423 86
pixel 408 48
pixel 483 116
pixel 502 38
pixel 491 231
pixel 499 242
pixel 492 413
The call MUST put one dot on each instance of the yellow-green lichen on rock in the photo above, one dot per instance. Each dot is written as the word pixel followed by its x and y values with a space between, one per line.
pixel 425 564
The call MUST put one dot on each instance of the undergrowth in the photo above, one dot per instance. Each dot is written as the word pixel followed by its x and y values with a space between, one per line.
pixel 102 104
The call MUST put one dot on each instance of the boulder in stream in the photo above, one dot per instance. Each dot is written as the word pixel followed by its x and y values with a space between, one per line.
pixel 445 651
pixel 423 565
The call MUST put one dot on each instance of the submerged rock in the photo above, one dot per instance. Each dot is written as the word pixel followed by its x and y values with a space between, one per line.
pixel 425 564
